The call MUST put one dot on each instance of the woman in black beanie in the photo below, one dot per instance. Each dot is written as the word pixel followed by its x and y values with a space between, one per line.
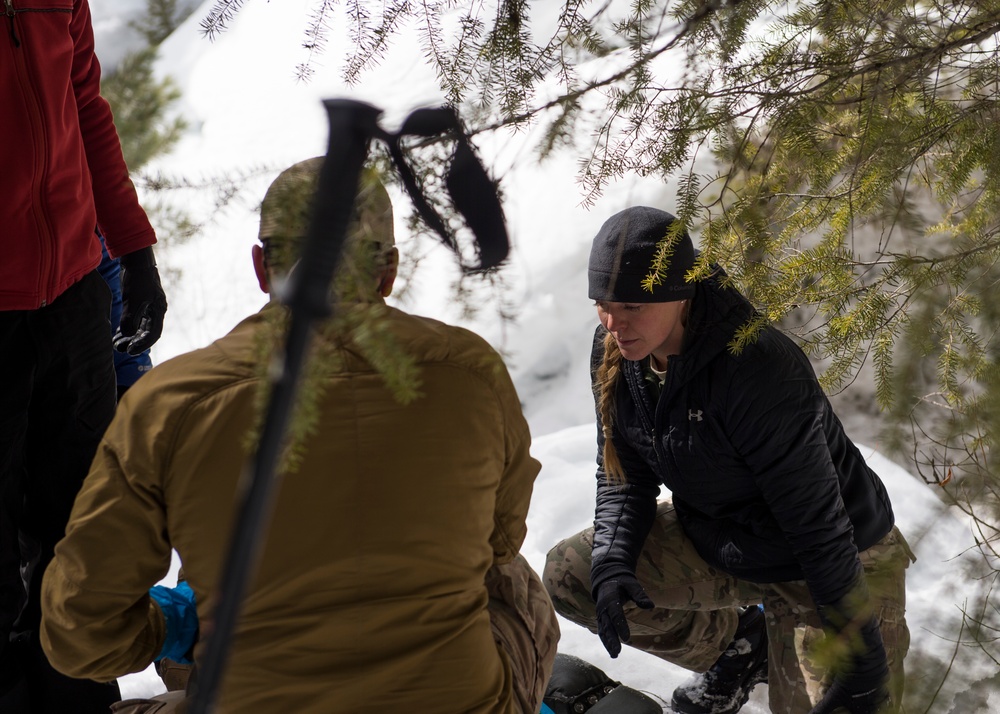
pixel 776 530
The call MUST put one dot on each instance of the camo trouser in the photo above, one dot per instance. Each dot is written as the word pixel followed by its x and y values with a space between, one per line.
pixel 695 615
pixel 524 627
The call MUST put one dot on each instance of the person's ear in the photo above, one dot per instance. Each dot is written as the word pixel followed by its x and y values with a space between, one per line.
pixel 260 268
pixel 388 277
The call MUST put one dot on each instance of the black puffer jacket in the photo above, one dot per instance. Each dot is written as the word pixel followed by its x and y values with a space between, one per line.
pixel 763 479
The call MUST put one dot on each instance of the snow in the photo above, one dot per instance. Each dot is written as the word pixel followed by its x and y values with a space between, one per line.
pixel 246 110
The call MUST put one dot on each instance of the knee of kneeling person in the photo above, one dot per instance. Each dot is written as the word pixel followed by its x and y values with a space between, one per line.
pixel 567 586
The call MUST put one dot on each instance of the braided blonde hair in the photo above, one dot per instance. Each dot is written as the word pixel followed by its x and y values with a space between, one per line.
pixel 605 382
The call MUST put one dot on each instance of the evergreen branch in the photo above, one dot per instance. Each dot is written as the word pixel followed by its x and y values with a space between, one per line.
pixel 371 44
pixel 707 9
pixel 316 35
pixel 219 17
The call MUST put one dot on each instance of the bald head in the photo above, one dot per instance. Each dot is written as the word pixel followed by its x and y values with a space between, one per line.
pixel 369 253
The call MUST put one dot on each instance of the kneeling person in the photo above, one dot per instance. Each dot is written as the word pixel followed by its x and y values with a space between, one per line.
pixel 390 579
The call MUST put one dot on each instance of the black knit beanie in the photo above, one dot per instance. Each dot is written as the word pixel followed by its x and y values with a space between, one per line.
pixel 623 253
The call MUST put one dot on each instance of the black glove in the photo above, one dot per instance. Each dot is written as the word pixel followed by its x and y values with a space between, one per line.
pixel 611 595
pixel 838 697
pixel 861 686
pixel 143 303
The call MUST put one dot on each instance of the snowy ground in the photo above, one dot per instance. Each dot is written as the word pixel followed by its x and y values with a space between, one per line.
pixel 245 109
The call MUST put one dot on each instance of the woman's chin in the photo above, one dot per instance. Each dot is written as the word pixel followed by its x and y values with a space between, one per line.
pixel 633 352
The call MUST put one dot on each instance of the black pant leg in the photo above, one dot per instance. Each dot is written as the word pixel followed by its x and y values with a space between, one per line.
pixel 72 403
pixel 17 364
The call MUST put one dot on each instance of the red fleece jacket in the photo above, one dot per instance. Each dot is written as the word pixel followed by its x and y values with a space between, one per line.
pixel 61 171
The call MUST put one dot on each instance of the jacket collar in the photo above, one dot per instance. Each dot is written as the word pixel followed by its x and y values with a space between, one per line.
pixel 717 311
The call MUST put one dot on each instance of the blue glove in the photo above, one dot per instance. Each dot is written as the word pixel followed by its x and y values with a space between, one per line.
pixel 181 619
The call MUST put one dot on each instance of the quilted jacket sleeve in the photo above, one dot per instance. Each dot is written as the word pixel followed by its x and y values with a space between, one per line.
pixel 624 513
pixel 777 417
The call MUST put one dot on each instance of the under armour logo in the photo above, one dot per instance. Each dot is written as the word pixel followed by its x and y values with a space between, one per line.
pixel 692 414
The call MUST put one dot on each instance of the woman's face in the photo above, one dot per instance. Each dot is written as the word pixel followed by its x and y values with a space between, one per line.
pixel 644 328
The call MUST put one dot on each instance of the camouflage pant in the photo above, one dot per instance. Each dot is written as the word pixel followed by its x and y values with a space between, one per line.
pixel 695 615
pixel 524 626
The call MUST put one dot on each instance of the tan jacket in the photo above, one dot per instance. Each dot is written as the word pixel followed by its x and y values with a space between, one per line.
pixel 370 594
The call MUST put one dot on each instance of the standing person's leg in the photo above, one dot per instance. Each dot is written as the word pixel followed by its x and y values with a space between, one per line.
pixel 796 681
pixel 16 373
pixel 697 605
pixel 72 403
pixel 524 627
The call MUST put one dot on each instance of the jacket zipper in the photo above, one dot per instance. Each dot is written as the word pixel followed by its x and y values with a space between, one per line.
pixel 39 206
pixel 10 14
pixel 640 397
pixel 657 446
pixel 655 431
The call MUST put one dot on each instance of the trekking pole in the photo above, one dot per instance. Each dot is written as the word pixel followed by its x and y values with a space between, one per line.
pixel 352 125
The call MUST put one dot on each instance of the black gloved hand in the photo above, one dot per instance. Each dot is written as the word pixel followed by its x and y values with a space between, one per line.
pixel 838 697
pixel 862 686
pixel 143 303
pixel 611 596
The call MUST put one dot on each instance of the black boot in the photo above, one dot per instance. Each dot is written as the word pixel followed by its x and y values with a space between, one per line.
pixel 577 686
pixel 726 686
